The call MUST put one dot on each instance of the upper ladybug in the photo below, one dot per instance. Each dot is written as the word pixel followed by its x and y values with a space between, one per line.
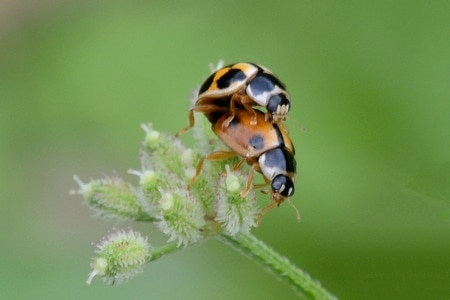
pixel 246 84
pixel 240 85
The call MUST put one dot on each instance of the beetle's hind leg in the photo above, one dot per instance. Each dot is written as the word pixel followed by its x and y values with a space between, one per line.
pixel 217 155
pixel 207 109
pixel 191 124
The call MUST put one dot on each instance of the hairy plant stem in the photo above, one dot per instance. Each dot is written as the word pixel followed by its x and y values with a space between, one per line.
pixel 160 251
pixel 284 270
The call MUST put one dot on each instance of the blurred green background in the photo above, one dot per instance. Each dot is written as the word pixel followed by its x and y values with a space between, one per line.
pixel 370 81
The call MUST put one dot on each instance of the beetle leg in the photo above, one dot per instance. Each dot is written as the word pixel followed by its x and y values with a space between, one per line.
pixel 191 123
pixel 233 99
pixel 249 184
pixel 203 108
pixel 247 104
pixel 197 172
pixel 276 203
pixel 238 165
pixel 261 185
pixel 250 109
pixel 220 155
pixel 273 204
pixel 217 155
pixel 242 100
pixel 263 211
pixel 227 121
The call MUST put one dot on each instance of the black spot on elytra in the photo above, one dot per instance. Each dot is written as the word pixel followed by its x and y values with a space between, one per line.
pixel 229 77
pixel 207 83
pixel 235 122
pixel 257 142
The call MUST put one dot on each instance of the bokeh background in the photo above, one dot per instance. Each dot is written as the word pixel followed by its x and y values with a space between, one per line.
pixel 369 80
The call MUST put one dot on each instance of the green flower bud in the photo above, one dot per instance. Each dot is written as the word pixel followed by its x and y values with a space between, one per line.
pixel 150 183
pixel 120 256
pixel 111 198
pixel 152 138
pixel 181 217
pixel 164 152
pixel 235 213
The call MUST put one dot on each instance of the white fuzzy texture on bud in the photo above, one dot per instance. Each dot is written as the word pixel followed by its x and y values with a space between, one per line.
pixel 235 213
pixel 120 255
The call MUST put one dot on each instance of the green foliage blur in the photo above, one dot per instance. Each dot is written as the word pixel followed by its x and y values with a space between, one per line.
pixel 370 84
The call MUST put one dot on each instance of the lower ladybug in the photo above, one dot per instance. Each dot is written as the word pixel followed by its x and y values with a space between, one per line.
pixel 265 146
pixel 241 85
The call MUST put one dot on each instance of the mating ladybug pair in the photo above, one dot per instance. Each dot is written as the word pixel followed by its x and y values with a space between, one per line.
pixel 227 98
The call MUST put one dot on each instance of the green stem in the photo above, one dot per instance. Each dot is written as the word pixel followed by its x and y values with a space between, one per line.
pixel 160 251
pixel 278 265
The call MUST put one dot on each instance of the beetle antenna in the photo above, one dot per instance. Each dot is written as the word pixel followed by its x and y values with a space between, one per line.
pixel 298 124
pixel 299 218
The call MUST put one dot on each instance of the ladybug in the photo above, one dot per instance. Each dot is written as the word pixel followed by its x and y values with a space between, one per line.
pixel 265 146
pixel 241 85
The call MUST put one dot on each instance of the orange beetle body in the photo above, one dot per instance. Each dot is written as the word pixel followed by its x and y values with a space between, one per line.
pixel 248 139
pixel 265 146
pixel 241 85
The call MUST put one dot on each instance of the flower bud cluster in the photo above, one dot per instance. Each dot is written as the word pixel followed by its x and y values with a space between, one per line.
pixel 187 214
pixel 167 167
